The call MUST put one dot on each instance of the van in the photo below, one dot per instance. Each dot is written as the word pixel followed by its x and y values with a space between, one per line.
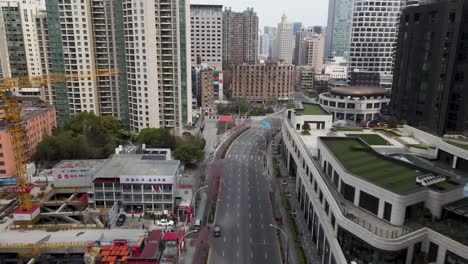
pixel 197 225
pixel 217 231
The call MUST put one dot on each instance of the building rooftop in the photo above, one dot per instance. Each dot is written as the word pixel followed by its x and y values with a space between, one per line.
pixel 71 164
pixel 311 109
pixel 135 165
pixel 358 91
pixel 361 160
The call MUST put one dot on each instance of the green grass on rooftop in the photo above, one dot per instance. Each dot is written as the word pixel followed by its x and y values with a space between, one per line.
pixel 361 161
pixel 371 139
pixel 456 144
pixel 291 106
pixel 310 109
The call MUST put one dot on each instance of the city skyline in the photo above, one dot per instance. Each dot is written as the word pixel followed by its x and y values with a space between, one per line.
pixel 270 15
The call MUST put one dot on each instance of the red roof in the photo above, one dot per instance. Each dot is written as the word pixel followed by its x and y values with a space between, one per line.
pixel 154 235
pixel 150 251
pixel 225 118
pixel 170 236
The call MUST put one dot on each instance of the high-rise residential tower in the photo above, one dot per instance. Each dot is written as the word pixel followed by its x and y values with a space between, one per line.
pixel 311 52
pixel 82 38
pixel 284 41
pixel 338 28
pixel 431 62
pixel 19 50
pixel 373 35
pixel 157 45
pixel 240 37
pixel 207 34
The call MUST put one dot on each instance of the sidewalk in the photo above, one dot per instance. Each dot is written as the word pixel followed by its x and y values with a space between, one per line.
pixel 306 237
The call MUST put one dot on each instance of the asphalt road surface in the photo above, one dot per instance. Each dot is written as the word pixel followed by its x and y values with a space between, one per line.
pixel 244 209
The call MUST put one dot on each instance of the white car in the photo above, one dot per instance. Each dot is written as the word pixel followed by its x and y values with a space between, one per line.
pixel 165 222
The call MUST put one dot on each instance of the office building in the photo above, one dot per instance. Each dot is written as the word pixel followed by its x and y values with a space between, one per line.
pixel 362 204
pixel 19 55
pixel 263 81
pixel 338 28
pixel 137 182
pixel 207 86
pixel 206 23
pixel 284 41
pixel 310 51
pixel 240 37
pixel 298 37
pixel 431 64
pixel 296 27
pixel 305 77
pixel 373 37
pixel 271 32
pixel 37 121
pixel 264 46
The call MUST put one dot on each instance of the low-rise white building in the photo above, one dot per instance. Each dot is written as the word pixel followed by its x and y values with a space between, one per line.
pixel 358 104
pixel 364 206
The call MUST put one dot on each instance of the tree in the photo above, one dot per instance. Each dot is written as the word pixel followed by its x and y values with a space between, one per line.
pixel 156 138
pixel 392 122
pixel 189 153
pixel 306 126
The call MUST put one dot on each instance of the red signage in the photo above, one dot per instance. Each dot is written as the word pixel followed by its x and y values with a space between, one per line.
pixel 23 190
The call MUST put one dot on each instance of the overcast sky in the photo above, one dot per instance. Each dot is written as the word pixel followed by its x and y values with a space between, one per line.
pixel 309 12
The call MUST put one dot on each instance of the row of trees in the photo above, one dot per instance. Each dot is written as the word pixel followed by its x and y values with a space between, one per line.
pixel 245 109
pixel 83 136
pixel 87 136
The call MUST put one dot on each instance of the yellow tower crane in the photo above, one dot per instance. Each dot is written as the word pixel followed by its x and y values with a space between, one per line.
pixel 27 213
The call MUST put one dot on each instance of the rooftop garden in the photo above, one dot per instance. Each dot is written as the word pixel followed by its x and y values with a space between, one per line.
pixel 360 160
pixel 371 139
pixel 457 144
pixel 310 109
pixel 291 105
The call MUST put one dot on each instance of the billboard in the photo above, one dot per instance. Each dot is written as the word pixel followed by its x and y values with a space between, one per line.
pixel 7 181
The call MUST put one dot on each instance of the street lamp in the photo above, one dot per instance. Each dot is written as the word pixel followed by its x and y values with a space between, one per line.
pixel 287 242
pixel 182 240
pixel 194 197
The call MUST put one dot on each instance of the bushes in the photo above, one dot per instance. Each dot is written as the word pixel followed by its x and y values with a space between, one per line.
pixel 301 258
pixel 276 168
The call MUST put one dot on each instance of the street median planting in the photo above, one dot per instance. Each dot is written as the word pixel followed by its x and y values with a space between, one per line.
pixel 276 168
pixel 226 149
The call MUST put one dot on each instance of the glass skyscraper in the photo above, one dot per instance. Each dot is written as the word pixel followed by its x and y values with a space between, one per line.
pixel 338 28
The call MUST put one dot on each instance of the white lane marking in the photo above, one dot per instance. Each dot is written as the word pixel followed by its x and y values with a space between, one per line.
pixel 238 225
pixel 224 239
pixel 251 254
pixel 250 216
pixel 237 253
pixel 266 256
pixel 250 225
pixel 261 215
pixel 249 205
pixel 250 240
pixel 237 214
pixel 223 252
pixel 262 226
pixel 237 239
pixel 238 205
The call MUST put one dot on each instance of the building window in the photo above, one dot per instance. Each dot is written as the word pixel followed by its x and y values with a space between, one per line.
pixel 347 191
pixel 369 106
pixel 369 202
pixel 351 106
pixel 387 211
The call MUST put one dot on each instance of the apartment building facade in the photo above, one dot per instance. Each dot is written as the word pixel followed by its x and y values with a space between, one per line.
pixel 206 22
pixel 158 58
pixel 19 56
pixel 311 51
pixel 263 81
pixel 37 122
pixel 240 37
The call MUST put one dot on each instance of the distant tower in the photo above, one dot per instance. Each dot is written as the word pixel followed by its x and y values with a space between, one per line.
pixel 284 41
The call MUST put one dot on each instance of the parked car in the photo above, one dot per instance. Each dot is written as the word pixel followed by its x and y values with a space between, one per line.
pixel 217 231
pixel 164 222
pixel 120 220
